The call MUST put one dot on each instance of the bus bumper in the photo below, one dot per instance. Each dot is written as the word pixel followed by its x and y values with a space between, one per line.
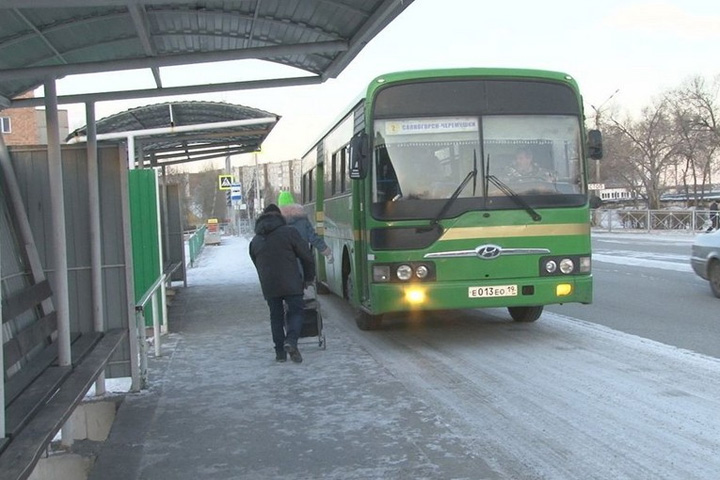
pixel 396 297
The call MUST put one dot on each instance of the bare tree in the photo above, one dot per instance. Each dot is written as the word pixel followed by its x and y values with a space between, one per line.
pixel 617 169
pixel 695 106
pixel 652 146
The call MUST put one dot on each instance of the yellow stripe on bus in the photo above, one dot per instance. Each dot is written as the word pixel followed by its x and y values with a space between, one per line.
pixel 464 233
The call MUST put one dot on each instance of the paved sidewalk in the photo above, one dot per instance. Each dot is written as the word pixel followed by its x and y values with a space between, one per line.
pixel 220 407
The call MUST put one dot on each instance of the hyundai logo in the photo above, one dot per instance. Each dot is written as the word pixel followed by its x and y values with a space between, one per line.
pixel 488 252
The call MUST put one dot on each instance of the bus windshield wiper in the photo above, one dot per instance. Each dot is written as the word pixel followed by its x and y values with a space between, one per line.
pixel 436 221
pixel 514 197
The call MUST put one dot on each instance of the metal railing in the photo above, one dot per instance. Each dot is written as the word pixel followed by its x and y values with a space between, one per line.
pixel 196 242
pixel 690 220
pixel 151 294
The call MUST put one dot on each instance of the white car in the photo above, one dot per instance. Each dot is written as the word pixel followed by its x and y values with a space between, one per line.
pixel 705 259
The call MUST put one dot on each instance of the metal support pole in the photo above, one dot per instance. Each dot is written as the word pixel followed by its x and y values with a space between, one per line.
pixel 156 321
pixel 57 206
pixel 95 232
pixel 131 152
pixel 161 249
pixel 57 199
pixel 142 348
pixel 165 257
pixel 133 330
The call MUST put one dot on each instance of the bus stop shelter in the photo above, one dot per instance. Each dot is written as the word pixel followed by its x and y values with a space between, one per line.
pixel 42 41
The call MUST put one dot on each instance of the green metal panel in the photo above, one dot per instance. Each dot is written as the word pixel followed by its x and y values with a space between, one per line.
pixel 144 215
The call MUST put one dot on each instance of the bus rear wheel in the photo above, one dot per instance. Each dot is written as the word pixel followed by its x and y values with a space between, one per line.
pixel 525 314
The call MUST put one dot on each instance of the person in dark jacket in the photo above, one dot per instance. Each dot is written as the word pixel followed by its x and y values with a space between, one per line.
pixel 275 250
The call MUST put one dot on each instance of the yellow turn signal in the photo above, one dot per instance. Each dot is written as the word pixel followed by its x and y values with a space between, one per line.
pixel 563 289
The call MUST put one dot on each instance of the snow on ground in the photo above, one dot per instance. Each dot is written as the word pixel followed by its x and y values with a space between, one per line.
pixel 664 261
pixel 557 399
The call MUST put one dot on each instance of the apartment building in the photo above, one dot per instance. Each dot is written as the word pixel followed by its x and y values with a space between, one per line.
pixel 27 126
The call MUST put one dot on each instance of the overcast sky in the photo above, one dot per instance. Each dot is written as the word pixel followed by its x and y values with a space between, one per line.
pixel 637 48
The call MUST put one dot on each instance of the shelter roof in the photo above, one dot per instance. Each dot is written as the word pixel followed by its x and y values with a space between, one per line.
pixel 178 132
pixel 56 38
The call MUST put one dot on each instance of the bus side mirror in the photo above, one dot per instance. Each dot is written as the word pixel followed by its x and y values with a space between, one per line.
pixel 358 156
pixel 594 143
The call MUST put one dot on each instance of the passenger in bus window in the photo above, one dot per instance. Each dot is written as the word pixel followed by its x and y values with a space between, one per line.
pixel 524 169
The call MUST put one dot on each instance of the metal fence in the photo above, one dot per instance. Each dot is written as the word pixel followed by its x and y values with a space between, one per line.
pixel 196 242
pixel 690 221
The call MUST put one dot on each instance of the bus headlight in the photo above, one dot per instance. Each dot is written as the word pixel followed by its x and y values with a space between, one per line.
pixel 404 272
pixel 550 266
pixel 566 265
pixel 421 272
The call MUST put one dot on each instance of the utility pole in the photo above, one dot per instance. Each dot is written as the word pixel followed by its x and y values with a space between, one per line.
pixel 598 114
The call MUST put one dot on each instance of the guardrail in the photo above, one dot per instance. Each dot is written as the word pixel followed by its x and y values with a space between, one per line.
pixel 196 242
pixel 690 221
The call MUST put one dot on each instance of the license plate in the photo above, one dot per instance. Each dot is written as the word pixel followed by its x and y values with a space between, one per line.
pixel 494 291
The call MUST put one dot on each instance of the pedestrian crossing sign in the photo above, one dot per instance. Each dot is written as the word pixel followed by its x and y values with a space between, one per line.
pixel 225 182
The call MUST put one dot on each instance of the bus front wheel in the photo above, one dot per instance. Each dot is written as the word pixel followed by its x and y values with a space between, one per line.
pixel 365 321
pixel 525 314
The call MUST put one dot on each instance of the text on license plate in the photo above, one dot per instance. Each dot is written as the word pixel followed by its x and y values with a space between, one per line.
pixel 494 291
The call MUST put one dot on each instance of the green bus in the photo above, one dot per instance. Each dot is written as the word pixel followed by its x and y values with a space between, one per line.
pixel 421 192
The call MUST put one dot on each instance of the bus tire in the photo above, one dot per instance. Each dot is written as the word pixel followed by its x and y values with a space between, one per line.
pixel 525 314
pixel 365 321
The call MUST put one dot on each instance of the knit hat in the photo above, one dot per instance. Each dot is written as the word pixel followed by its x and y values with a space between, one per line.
pixel 272 208
pixel 285 198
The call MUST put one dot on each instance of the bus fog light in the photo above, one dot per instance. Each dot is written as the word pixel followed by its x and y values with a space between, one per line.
pixel 381 273
pixel 415 296
pixel 404 272
pixel 550 266
pixel 566 265
pixel 585 264
pixel 421 272
pixel 563 289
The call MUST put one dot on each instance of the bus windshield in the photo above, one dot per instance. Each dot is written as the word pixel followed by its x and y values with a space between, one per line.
pixel 426 159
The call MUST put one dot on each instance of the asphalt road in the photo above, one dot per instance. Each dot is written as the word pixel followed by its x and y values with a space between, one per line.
pixel 643 285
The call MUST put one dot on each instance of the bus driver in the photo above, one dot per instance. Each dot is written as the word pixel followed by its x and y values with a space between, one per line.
pixel 524 169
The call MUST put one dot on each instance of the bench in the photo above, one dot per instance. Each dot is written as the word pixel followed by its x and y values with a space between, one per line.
pixel 41 395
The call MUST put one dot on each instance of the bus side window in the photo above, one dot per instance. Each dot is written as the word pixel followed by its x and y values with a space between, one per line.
pixel 347 184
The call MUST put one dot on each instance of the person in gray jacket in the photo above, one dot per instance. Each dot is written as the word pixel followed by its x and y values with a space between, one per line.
pixel 296 217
